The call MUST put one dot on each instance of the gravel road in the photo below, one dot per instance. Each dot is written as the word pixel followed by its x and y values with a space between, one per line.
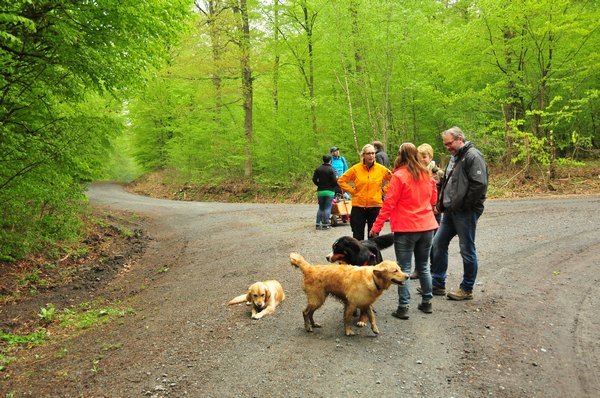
pixel 532 330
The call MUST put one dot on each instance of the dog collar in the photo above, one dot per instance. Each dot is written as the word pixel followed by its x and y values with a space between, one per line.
pixel 376 285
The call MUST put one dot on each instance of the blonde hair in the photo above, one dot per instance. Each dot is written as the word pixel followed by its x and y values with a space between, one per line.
pixel 364 149
pixel 427 149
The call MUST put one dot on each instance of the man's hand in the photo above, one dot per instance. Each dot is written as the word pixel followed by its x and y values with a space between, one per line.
pixel 373 234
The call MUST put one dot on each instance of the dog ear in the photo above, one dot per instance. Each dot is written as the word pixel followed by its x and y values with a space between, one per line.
pixel 267 294
pixel 249 296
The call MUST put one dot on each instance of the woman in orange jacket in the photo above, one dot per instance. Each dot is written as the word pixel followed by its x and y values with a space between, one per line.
pixel 364 181
pixel 408 205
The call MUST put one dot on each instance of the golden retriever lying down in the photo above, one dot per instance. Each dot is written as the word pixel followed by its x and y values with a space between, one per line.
pixel 356 287
pixel 263 296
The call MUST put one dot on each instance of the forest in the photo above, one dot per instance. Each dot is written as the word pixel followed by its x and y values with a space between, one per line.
pixel 219 91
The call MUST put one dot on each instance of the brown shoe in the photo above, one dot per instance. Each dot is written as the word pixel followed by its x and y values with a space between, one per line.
pixel 401 313
pixel 459 295
pixel 435 290
pixel 426 307
pixel 414 275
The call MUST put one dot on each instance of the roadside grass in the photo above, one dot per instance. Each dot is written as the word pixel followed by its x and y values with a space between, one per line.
pixel 55 326
pixel 58 264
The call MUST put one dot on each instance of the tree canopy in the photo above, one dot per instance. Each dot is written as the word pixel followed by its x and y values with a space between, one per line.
pixel 65 66
pixel 225 90
pixel 519 77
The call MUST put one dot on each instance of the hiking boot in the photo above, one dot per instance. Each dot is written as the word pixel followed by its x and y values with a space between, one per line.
pixel 435 290
pixel 401 313
pixel 414 275
pixel 425 307
pixel 460 294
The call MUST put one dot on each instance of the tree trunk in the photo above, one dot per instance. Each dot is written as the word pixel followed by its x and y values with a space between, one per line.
pixel 308 28
pixel 275 93
pixel 510 110
pixel 347 91
pixel 386 111
pixel 214 7
pixel 355 35
pixel 551 167
pixel 246 85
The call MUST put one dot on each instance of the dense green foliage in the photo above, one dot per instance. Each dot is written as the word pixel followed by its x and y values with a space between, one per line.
pixel 258 90
pixel 519 77
pixel 59 60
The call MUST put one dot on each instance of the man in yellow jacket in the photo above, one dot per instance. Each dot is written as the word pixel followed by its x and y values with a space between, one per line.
pixel 364 181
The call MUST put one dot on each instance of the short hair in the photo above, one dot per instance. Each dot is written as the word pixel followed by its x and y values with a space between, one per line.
pixel 378 145
pixel 455 132
pixel 427 149
pixel 326 158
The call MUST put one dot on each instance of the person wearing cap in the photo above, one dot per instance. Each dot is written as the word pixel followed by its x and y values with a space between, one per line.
pixel 365 181
pixel 339 164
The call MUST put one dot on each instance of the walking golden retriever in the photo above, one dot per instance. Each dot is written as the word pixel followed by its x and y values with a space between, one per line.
pixel 356 287
pixel 263 296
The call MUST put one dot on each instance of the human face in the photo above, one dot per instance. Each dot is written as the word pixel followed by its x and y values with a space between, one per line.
pixel 424 158
pixel 452 145
pixel 369 156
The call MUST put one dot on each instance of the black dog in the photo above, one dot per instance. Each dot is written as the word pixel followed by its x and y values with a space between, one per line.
pixel 352 251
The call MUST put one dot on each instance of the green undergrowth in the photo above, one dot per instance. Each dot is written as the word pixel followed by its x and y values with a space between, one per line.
pixel 56 325
pixel 506 181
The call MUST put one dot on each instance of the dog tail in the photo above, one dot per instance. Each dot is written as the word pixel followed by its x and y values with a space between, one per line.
pixel 298 261
pixel 242 298
pixel 383 241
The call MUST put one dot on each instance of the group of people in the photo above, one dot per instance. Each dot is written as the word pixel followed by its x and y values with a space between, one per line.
pixel 426 207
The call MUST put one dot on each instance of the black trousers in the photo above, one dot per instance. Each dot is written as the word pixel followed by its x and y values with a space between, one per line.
pixel 359 216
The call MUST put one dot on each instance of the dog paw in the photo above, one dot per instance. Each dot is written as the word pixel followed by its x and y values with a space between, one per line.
pixel 375 329
pixel 350 332
pixel 361 324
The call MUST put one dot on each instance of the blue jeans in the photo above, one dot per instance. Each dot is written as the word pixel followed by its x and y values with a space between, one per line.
pixel 464 225
pixel 324 212
pixel 419 243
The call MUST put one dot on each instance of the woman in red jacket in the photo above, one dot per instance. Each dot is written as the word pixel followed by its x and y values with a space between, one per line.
pixel 411 195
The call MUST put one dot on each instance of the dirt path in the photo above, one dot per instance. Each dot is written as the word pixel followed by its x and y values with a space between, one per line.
pixel 533 329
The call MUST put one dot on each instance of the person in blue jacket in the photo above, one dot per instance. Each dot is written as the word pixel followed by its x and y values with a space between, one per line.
pixel 338 162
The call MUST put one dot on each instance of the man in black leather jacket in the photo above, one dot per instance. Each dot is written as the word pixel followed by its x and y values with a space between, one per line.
pixel 461 197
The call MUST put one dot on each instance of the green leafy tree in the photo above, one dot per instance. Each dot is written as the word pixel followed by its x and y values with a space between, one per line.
pixel 57 60
pixel 345 73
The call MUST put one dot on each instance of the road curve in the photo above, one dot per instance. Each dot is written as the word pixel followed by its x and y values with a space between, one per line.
pixel 532 329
